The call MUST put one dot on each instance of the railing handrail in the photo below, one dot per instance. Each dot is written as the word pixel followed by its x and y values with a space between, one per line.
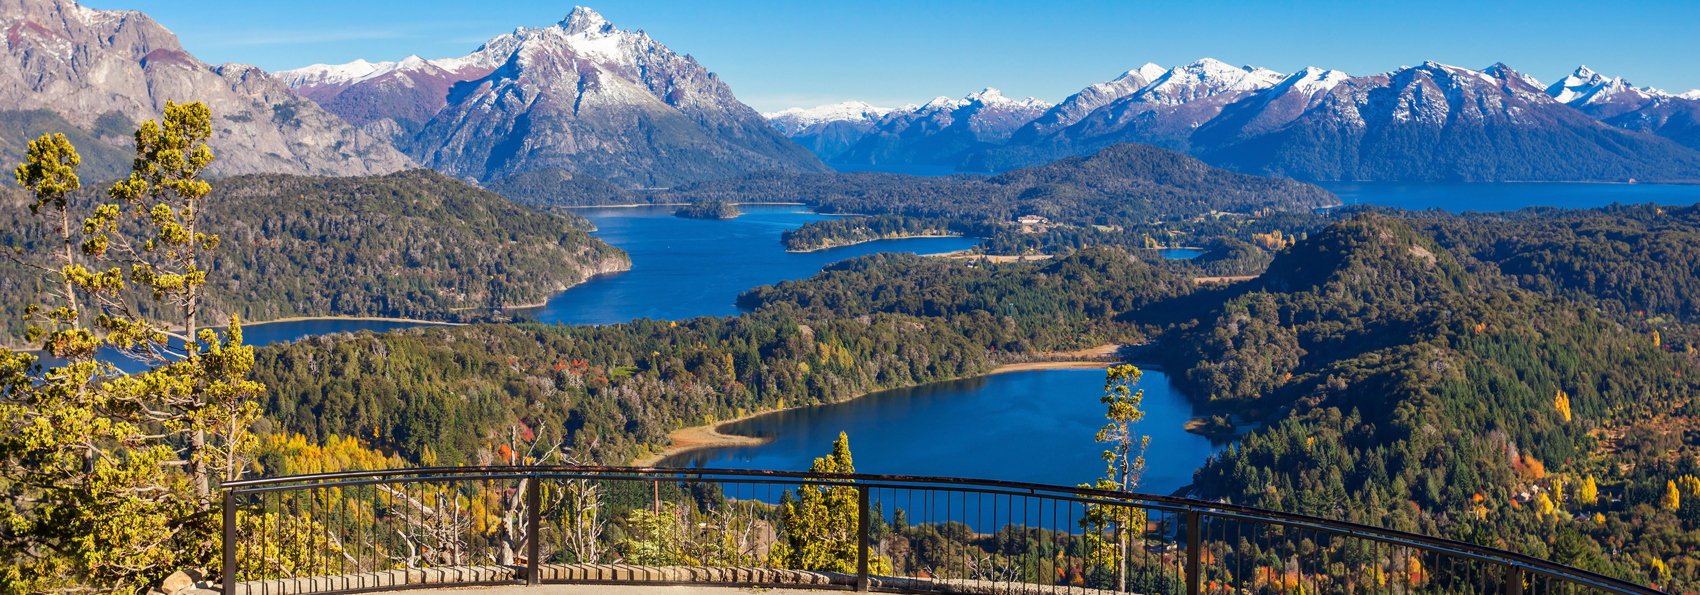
pixel 1176 503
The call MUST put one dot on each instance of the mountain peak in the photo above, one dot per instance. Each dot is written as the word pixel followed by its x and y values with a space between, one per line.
pixel 1312 80
pixel 1588 87
pixel 797 119
pixel 987 95
pixel 584 20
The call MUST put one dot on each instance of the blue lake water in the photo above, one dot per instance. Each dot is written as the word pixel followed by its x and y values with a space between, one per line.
pixel 684 268
pixel 1509 196
pixel 1033 426
pixel 911 170
pixel 1179 253
pixel 1026 426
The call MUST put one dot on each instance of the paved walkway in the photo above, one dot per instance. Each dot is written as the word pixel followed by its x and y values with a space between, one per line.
pixel 614 590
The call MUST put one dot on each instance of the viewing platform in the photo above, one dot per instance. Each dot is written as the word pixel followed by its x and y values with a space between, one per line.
pixel 577 529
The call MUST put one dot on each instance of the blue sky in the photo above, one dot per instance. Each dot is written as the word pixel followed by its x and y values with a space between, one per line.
pixel 783 54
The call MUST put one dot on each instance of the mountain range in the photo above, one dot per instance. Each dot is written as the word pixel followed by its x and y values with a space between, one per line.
pixel 1432 122
pixel 95 73
pixel 580 96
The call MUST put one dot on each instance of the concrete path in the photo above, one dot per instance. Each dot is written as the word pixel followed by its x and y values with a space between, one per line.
pixel 614 590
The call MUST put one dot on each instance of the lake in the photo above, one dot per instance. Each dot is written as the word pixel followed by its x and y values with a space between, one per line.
pixel 1033 426
pixel 685 268
pixel 1025 426
pixel 1508 196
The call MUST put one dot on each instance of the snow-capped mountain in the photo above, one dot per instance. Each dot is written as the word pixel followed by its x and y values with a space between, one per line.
pixel 1693 94
pixel 1428 122
pixel 941 131
pixel 796 120
pixel 1164 113
pixel 1599 95
pixel 1205 78
pixel 90 66
pixel 1097 95
pixel 1441 122
pixel 1270 109
pixel 582 95
pixel 1618 103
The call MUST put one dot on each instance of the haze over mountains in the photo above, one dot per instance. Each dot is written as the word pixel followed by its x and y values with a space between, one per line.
pixel 1426 122
pixel 95 73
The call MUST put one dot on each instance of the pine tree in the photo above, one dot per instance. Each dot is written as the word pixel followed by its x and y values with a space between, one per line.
pixel 820 523
pixel 1125 465
pixel 109 474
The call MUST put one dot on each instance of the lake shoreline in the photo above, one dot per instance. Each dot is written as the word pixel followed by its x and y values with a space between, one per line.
pixel 706 436
pixel 677 204
pixel 897 237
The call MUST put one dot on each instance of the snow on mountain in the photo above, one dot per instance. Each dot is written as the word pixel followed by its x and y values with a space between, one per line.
pixel 1311 80
pixel 939 132
pixel 580 95
pixel 1601 96
pixel 1586 86
pixel 1205 78
pixel 1691 94
pixel 1079 105
pixel 85 64
pixel 796 120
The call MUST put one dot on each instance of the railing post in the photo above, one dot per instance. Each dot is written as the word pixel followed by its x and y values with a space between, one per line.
pixel 862 525
pixel 1194 578
pixel 1513 580
pixel 229 579
pixel 533 528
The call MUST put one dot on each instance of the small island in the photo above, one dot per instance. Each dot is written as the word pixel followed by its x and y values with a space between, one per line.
pixel 1215 426
pixel 712 209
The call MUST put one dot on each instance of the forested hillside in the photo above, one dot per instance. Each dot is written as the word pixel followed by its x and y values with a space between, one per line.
pixel 1635 261
pixel 615 390
pixel 414 244
pixel 1401 390
pixel 1121 183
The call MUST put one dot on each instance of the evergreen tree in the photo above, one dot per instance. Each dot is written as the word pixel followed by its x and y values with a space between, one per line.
pixel 820 523
pixel 108 474
pixel 1125 465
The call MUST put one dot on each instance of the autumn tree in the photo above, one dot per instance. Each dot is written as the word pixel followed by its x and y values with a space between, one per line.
pixel 1125 466
pixel 108 475
pixel 1589 492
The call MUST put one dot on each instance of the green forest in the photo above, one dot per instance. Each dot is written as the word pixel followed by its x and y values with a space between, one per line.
pixel 414 244
pixel 1520 380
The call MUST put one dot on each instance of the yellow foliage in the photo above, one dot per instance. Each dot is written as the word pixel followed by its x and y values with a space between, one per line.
pixel 300 456
pixel 1274 240
pixel 1690 485
pixel 1544 505
pixel 1657 342
pixel 1562 402
pixel 1588 493
pixel 1672 499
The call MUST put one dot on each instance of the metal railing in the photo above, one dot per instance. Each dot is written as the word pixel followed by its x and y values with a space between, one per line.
pixel 459 526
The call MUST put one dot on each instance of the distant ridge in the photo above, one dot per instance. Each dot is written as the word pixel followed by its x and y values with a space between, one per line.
pixel 1432 122
pixel 103 71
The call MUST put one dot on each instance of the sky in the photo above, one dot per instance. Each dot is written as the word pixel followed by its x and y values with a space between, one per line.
pixel 776 55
